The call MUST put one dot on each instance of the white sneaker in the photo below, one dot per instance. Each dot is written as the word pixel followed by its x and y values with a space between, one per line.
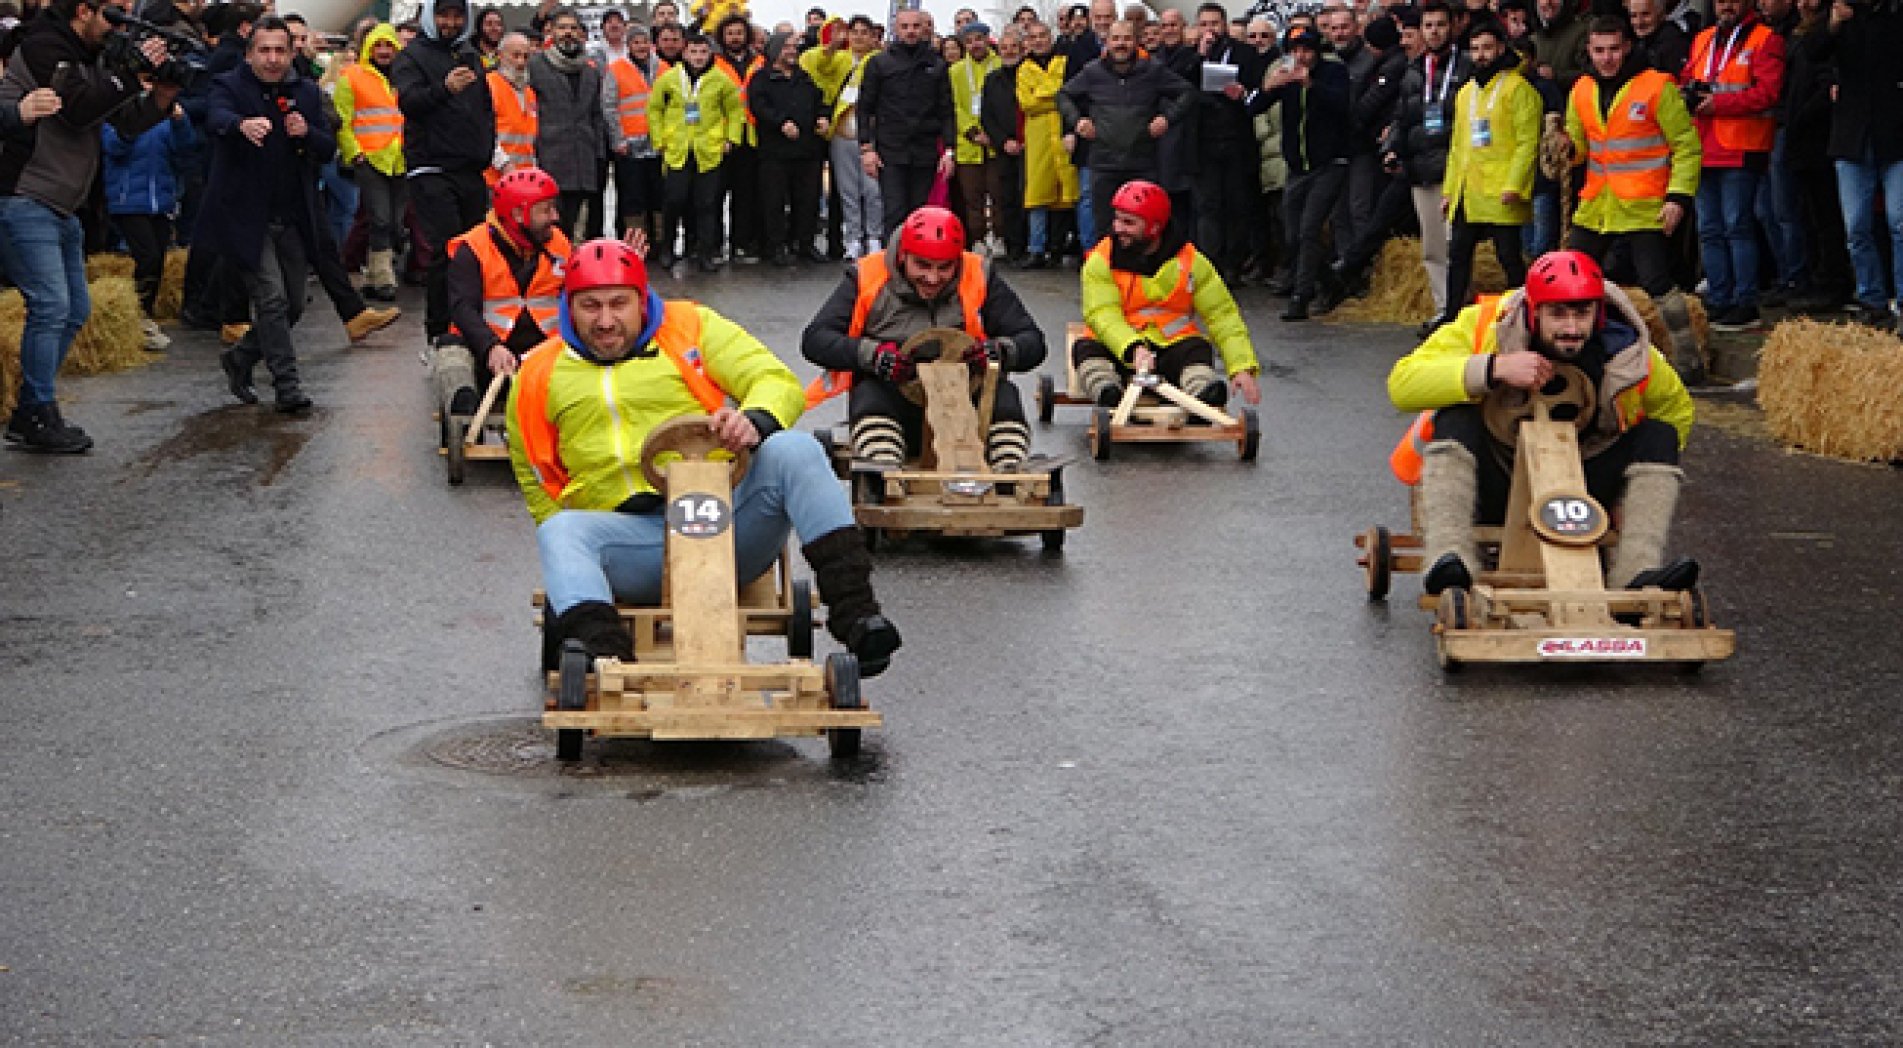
pixel 852 252
pixel 873 246
pixel 156 341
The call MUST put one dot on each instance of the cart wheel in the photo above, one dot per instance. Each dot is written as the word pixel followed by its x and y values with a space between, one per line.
pixel 799 625
pixel 455 431
pixel 1046 399
pixel 868 488
pixel 1378 546
pixel 571 694
pixel 1100 434
pixel 1251 438
pixel 1053 538
pixel 842 683
pixel 1455 610
pixel 1694 613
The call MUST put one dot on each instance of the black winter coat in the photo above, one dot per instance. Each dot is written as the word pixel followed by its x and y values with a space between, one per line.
pixel 1422 152
pixel 1808 77
pixel 1176 160
pixel 243 175
pixel 1221 120
pixel 1869 111
pixel 905 105
pixel 1316 130
pixel 826 341
pixel 998 109
pixel 1374 104
pixel 775 99
pixel 455 132
pixel 1121 104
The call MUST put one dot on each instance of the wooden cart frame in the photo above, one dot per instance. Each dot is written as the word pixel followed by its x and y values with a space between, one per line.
pixel 690 678
pixel 473 438
pixel 1151 411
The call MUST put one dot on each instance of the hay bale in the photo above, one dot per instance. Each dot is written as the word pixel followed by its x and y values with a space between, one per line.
pixel 110 341
pixel 1655 327
pixel 1835 389
pixel 108 264
pixel 1398 291
pixel 171 297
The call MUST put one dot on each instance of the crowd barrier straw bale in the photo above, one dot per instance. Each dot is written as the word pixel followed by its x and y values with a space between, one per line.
pixel 110 341
pixel 171 284
pixel 1834 389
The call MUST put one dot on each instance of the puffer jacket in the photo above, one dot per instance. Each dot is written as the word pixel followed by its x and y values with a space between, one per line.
pixel 604 410
pixel 898 313
pixel 142 172
pixel 389 159
pixel 1637 381
pixel 1159 272
pixel 453 132
pixel 1121 103
pixel 1422 152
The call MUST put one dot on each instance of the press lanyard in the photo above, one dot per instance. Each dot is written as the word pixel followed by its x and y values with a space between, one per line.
pixel 1427 89
pixel 693 84
pixel 1711 72
pixel 1494 94
pixel 971 79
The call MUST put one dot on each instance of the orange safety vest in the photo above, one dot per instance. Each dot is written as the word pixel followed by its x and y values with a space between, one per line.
pixel 1629 152
pixel 678 337
pixel 502 300
pixel 631 95
pixel 741 80
pixel 376 121
pixel 1756 133
pixel 516 120
pixel 1174 314
pixel 873 276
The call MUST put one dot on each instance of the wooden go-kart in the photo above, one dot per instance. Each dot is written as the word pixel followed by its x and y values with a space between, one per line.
pixel 690 678
pixel 949 489
pixel 1545 598
pixel 474 438
pixel 1151 411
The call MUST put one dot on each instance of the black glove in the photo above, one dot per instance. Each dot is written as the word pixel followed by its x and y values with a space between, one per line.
pixel 891 363
pixel 983 353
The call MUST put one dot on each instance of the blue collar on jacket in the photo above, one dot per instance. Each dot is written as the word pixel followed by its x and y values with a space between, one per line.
pixel 655 310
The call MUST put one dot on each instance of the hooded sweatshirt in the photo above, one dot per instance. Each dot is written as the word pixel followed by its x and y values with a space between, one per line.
pixel 389 159
pixel 442 131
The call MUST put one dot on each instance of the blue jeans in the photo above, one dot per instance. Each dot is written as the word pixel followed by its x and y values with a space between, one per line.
pixel 341 197
pixel 1857 182
pixel 45 254
pixel 595 555
pixel 1783 219
pixel 1040 229
pixel 1728 236
pixel 1086 222
pixel 1542 234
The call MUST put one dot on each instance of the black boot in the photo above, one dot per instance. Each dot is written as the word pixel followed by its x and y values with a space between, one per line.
pixel 1296 310
pixel 1216 394
pixel 1110 396
pixel 38 427
pixel 1449 571
pixel 596 624
pixel 843 570
pixel 1678 576
pixel 237 378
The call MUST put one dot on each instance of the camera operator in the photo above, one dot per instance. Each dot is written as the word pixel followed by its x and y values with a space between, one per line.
pixel 46 174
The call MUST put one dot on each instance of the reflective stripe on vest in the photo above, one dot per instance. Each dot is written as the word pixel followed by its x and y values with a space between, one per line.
pixel 1629 153
pixel 516 118
pixel 375 121
pixel 1756 133
pixel 502 299
pixel 1174 315
pixel 1406 458
pixel 873 276
pixel 678 337
pixel 631 95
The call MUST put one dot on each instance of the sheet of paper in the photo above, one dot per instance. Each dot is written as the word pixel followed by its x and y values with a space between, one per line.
pixel 1217 75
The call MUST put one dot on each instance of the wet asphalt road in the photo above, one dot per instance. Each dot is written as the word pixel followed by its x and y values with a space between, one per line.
pixel 270 773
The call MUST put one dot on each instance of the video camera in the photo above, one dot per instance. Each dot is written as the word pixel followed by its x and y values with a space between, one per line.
pixel 185 57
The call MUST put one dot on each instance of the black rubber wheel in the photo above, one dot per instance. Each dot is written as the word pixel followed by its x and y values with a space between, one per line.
pixel 1053 538
pixel 1100 434
pixel 842 683
pixel 1251 440
pixel 1455 610
pixel 868 488
pixel 799 625
pixel 1379 548
pixel 1046 399
pixel 455 431
pixel 1697 614
pixel 571 694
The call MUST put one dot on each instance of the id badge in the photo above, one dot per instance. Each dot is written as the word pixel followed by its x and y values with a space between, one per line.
pixel 977 105
pixel 1482 133
pixel 1434 120
pixel 693 114
pixel 850 95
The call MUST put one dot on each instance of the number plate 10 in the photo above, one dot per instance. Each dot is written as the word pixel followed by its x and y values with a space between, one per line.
pixel 1570 520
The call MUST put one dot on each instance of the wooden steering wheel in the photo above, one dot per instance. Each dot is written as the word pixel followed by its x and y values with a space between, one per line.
pixel 1568 396
pixel 689 437
pixel 931 344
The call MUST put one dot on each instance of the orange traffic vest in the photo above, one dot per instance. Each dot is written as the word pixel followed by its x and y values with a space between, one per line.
pixel 516 119
pixel 741 80
pixel 1628 153
pixel 631 95
pixel 502 300
pixel 873 276
pixel 376 121
pixel 1174 314
pixel 678 337
pixel 1728 72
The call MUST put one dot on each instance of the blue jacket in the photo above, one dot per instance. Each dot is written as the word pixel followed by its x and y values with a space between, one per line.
pixel 237 211
pixel 142 173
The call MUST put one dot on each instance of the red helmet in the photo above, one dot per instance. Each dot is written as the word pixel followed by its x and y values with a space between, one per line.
pixel 519 189
pixel 1564 276
pixel 1146 200
pixel 932 233
pixel 606 262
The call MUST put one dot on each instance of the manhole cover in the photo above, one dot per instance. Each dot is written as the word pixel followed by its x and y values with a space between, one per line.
pixel 519 748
